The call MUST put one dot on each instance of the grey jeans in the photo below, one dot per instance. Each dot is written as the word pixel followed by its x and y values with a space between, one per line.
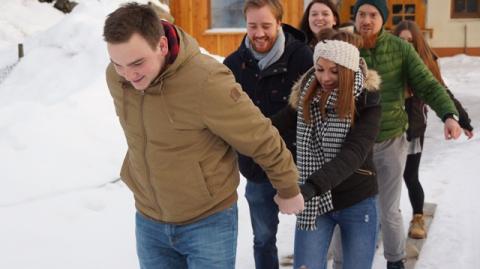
pixel 389 157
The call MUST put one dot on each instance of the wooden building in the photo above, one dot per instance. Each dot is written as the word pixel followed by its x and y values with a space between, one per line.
pixel 195 17
pixel 451 26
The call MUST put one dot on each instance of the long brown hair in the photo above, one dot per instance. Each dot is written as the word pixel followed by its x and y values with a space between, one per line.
pixel 425 52
pixel 345 106
pixel 305 26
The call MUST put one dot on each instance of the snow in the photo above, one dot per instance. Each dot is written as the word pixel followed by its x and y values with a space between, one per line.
pixel 161 5
pixel 62 145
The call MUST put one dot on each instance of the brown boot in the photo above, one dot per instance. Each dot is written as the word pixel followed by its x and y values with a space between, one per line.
pixel 417 227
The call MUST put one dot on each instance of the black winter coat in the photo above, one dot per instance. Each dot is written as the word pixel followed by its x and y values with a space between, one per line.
pixel 351 175
pixel 417 116
pixel 270 88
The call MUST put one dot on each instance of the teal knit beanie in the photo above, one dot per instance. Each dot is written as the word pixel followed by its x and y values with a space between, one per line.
pixel 381 5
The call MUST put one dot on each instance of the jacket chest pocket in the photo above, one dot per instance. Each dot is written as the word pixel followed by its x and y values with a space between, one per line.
pixel 278 99
pixel 279 96
pixel 174 132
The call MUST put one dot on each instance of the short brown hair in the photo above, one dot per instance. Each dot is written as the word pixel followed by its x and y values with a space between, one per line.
pixel 132 18
pixel 274 5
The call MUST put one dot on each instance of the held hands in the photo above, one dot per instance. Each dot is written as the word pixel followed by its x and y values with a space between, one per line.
pixel 468 134
pixel 289 206
pixel 452 129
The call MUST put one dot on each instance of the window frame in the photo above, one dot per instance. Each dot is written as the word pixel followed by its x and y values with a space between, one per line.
pixel 212 29
pixel 464 15
pixel 402 14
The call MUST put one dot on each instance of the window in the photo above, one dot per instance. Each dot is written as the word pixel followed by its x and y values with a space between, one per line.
pixel 352 18
pixel 227 14
pixel 465 9
pixel 402 12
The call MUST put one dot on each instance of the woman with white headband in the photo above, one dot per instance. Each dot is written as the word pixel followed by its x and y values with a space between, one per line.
pixel 335 107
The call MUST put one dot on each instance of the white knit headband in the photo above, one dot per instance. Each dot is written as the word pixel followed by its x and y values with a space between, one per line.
pixel 340 52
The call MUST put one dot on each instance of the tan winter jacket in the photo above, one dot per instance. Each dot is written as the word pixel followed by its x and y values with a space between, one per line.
pixel 180 163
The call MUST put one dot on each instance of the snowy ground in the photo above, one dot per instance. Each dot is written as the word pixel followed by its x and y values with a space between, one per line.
pixel 61 145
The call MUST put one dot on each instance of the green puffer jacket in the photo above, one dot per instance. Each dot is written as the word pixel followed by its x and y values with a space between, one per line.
pixel 399 65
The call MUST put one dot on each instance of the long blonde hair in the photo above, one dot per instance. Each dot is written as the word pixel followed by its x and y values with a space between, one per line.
pixel 428 56
pixel 345 106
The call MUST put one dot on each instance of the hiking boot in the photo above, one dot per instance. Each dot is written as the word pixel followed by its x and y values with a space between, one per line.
pixel 417 227
pixel 395 265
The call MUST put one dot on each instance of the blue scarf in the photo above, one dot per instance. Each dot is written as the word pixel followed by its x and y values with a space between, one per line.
pixel 267 59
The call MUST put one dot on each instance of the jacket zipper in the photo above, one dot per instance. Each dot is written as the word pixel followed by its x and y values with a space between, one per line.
pixel 372 55
pixel 364 172
pixel 147 167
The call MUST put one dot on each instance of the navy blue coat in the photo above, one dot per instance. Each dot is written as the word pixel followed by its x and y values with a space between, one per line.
pixel 270 88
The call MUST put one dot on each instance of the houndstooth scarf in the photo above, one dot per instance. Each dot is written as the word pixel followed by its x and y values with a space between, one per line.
pixel 318 143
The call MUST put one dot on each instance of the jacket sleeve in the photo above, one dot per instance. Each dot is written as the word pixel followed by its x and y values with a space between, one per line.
pixel 355 149
pixel 228 61
pixel 285 119
pixel 228 112
pixel 464 119
pixel 426 86
pixel 304 58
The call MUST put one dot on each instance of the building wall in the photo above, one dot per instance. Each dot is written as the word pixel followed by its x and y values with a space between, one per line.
pixel 194 17
pixel 451 36
pixel 448 36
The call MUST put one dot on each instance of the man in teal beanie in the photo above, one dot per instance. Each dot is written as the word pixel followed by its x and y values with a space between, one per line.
pixel 398 65
pixel 381 5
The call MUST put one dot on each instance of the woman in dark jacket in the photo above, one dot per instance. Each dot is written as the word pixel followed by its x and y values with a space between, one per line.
pixel 417 124
pixel 336 109
pixel 318 15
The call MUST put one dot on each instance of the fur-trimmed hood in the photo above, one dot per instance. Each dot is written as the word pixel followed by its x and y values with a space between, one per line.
pixel 372 83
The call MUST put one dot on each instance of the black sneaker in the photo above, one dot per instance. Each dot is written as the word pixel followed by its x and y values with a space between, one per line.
pixel 395 265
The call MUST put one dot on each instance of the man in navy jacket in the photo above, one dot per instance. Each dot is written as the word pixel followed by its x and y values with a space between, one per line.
pixel 271 57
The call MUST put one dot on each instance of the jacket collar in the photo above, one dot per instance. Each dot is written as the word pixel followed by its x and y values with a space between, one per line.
pixel 188 48
pixel 372 82
pixel 293 39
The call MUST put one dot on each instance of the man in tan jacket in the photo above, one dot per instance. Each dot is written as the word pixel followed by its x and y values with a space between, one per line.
pixel 183 114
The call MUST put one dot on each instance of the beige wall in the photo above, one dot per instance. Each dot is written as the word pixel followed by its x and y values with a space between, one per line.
pixel 448 32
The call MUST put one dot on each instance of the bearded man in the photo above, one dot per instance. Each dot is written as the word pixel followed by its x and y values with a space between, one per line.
pixel 399 65
pixel 271 57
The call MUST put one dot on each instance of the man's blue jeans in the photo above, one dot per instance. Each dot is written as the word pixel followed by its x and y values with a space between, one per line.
pixel 208 243
pixel 264 218
pixel 359 229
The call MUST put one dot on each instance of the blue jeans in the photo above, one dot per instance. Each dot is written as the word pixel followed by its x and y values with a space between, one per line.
pixel 359 229
pixel 208 243
pixel 264 218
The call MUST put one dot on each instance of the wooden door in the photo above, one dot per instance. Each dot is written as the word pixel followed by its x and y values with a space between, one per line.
pixel 345 8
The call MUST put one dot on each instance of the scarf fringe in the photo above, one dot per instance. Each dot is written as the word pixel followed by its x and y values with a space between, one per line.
pixel 306 227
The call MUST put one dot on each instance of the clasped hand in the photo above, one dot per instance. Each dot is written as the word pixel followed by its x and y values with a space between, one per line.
pixel 293 205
